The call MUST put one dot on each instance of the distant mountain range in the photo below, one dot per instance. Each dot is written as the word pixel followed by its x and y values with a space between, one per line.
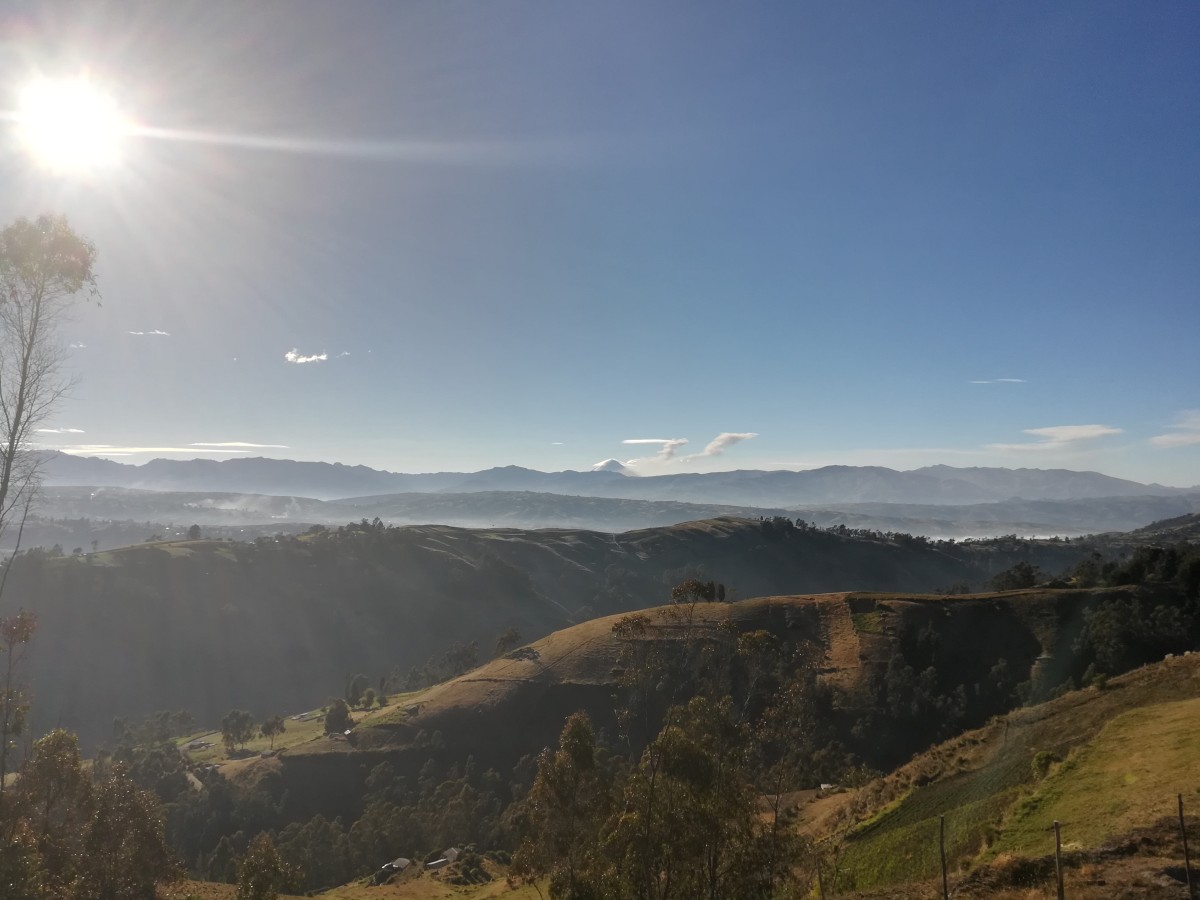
pixel 937 485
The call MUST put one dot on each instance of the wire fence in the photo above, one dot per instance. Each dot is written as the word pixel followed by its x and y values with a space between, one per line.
pixel 1190 878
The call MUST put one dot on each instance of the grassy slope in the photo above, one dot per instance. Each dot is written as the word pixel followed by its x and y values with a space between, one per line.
pixel 1127 776
pixel 418 886
pixel 298 733
pixel 1140 732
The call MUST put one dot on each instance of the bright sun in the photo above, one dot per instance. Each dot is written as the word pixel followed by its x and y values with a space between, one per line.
pixel 70 126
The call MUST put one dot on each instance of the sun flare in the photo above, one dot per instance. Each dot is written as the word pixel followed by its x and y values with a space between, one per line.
pixel 70 126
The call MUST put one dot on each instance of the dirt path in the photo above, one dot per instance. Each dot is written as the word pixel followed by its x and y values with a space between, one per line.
pixel 841 640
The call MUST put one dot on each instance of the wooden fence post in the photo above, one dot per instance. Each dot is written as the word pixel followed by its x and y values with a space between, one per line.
pixel 1058 860
pixel 942 850
pixel 1187 860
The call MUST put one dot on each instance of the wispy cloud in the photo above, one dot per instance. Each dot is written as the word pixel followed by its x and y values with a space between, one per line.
pixel 60 431
pixel 243 444
pixel 1059 437
pixel 155 333
pixel 999 381
pixel 723 442
pixel 295 356
pixel 77 345
pixel 111 450
pixel 1185 431
pixel 666 450
pixel 343 353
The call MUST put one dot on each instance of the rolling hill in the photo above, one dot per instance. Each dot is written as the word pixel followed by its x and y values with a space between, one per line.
pixel 514 706
pixel 270 625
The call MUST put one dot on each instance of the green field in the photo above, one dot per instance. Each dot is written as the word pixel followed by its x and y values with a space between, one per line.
pixel 297 733
pixel 1128 775
pixel 1127 751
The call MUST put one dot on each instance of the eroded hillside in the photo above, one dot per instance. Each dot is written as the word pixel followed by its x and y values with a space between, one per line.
pixel 905 670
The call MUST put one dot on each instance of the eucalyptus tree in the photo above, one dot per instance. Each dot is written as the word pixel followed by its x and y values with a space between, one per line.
pixel 44 268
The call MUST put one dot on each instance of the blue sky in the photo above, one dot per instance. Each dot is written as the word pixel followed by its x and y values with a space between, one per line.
pixel 525 233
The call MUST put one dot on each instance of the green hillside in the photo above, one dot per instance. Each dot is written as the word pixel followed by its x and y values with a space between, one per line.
pixel 1102 762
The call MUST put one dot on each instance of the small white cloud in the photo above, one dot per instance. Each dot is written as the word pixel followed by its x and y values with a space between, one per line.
pixel 60 430
pixel 999 381
pixel 77 345
pixel 343 353
pixel 155 333
pixel 1185 431
pixel 556 443
pixel 244 444
pixel 294 356
pixel 724 441
pixel 666 450
pixel 1059 437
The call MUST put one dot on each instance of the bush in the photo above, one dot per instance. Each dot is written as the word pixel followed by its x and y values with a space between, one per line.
pixel 1042 761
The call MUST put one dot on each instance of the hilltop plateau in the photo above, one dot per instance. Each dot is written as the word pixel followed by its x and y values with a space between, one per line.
pixel 515 705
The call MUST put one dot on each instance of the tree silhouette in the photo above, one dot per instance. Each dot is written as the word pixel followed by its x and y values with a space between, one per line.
pixel 338 718
pixel 43 266
pixel 237 727
pixel 272 727
pixel 509 639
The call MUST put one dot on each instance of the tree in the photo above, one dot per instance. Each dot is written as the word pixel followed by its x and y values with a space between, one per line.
pixel 1021 576
pixel 44 265
pixel 355 688
pixel 193 533
pixel 237 727
pixel 565 808
pixel 16 631
pixel 338 718
pixel 97 835
pixel 509 639
pixel 262 874
pixel 460 658
pixel 273 727
pixel 125 850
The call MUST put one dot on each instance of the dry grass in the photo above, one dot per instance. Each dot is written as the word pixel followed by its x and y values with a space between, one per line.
pixel 204 890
